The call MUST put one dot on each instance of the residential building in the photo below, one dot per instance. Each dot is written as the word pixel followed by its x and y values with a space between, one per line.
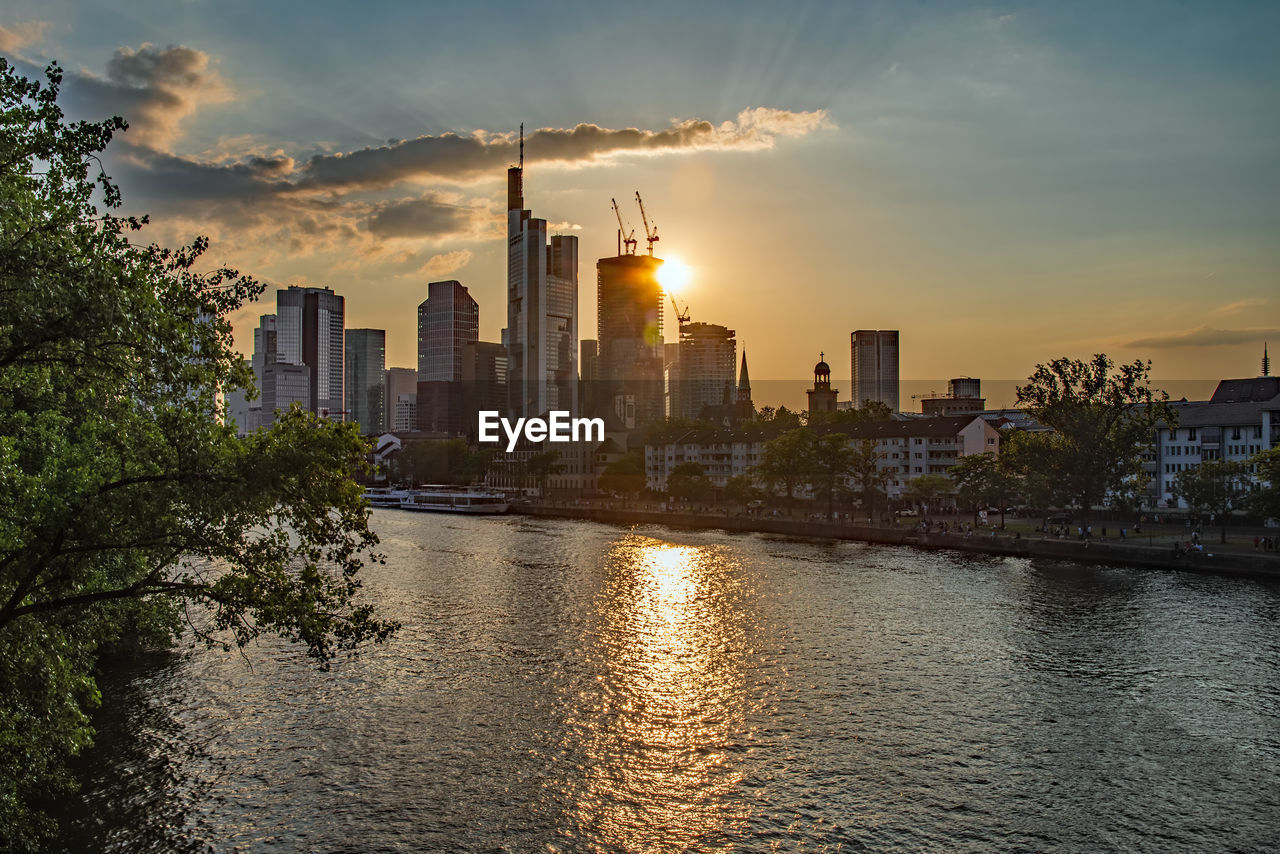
pixel 874 367
pixel 365 379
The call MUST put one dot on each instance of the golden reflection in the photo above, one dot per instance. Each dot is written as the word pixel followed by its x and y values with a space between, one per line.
pixel 666 720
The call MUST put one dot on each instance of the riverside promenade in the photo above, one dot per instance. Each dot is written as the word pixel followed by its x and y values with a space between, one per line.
pixel 1113 551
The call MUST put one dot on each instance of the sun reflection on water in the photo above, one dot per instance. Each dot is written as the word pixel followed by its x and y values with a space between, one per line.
pixel 662 732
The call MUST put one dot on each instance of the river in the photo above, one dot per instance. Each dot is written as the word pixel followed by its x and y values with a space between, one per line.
pixel 571 686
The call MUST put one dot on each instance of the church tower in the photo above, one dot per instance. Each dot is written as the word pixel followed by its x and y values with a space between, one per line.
pixel 822 397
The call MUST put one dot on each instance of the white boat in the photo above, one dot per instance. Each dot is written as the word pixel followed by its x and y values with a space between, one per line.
pixel 444 500
pixel 385 496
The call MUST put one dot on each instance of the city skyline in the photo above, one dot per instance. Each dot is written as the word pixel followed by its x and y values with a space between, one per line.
pixel 1003 184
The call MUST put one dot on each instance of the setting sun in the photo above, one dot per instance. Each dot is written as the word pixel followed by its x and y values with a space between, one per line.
pixel 674 275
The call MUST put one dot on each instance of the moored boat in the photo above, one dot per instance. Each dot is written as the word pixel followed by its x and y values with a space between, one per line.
pixel 385 496
pixel 472 502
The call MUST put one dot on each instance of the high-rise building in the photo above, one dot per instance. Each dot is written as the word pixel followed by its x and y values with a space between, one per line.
pixel 401 388
pixel 365 386
pixel 874 366
pixel 241 411
pixel 703 375
pixel 309 330
pixel 448 323
pixel 448 320
pixel 542 310
pixel 280 383
pixel 484 382
pixel 630 353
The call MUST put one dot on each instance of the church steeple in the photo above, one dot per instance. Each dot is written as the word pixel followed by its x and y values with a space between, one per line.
pixel 744 382
pixel 1266 361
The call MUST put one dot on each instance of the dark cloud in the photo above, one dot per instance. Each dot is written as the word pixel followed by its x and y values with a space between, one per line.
pixel 154 89
pixel 1207 337
pixel 422 218
pixel 463 157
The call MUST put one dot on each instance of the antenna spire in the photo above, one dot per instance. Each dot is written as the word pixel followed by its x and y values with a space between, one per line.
pixel 522 145
pixel 1266 361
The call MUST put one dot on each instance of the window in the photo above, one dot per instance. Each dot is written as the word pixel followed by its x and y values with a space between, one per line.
pixel 1257 432
pixel 1191 432
pixel 1235 432
pixel 1173 435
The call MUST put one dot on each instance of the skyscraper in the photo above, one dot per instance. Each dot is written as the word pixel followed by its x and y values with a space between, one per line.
pixel 280 383
pixel 448 324
pixel 629 306
pixel 874 366
pixel 402 399
pixel 365 386
pixel 542 310
pixel 309 329
pixel 704 373
pixel 448 320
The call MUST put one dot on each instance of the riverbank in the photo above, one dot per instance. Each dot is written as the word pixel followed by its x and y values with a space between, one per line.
pixel 1124 553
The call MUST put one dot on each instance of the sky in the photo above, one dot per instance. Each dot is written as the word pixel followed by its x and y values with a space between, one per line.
pixel 1003 183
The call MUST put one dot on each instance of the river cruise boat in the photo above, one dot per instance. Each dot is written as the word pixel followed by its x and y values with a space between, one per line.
pixel 445 500
pixel 385 496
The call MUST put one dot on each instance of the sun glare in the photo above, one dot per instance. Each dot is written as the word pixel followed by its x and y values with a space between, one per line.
pixel 674 274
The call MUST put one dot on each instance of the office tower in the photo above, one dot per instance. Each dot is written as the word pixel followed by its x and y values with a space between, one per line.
pixel 588 376
pixel 630 353
pixel 542 310
pixel 484 382
pixel 401 385
pixel 448 320
pixel 822 397
pixel 703 375
pixel 309 330
pixel 365 388
pixel 280 383
pixel 874 363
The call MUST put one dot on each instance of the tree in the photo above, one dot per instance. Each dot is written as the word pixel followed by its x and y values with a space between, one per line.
pixel 688 482
pixel 784 459
pixel 1215 486
pixel 433 461
pixel 125 497
pixel 866 473
pixel 740 489
pixel 984 480
pixel 541 466
pixel 1265 498
pixel 831 460
pixel 927 489
pixel 625 475
pixel 1103 417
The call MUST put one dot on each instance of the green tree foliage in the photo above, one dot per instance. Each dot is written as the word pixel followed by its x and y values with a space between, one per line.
pixel 124 498
pixel 1265 498
pixel 869 479
pixel 625 475
pixel 688 482
pixel 440 461
pixel 830 463
pixel 928 489
pixel 1103 418
pixel 1214 487
pixel 740 489
pixel 541 466
pixel 784 461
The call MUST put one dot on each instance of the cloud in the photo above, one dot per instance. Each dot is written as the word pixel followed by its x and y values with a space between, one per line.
pixel 449 262
pixel 15 38
pixel 1239 305
pixel 428 216
pixel 1206 336
pixel 456 157
pixel 154 89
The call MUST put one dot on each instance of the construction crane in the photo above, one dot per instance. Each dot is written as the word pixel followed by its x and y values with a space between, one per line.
pixel 650 234
pixel 630 240
pixel 682 317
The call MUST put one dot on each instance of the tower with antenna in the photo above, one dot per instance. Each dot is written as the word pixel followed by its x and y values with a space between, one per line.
pixel 1266 361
